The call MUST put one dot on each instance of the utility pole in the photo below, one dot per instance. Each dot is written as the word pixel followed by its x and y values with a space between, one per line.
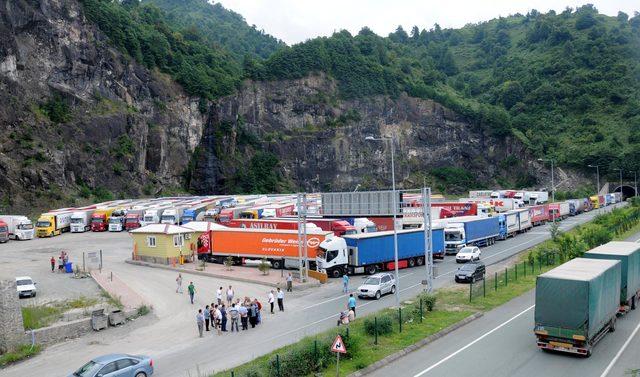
pixel 597 177
pixel 620 170
pixel 428 257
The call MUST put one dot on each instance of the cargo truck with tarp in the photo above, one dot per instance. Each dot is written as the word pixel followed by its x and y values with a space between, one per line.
pixel 576 305
pixel 628 253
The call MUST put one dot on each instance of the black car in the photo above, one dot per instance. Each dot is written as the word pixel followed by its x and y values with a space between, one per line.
pixel 470 273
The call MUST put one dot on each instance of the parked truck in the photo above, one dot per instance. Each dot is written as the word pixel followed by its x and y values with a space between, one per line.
pixel 487 206
pixel 116 221
pixel 457 209
pixel 281 224
pixel 194 213
pixel 152 215
pixel 132 220
pixel 576 305
pixel 538 197
pixel 278 210
pixel 469 230
pixel 18 227
pixel 576 206
pixel 361 224
pixel 539 214
pixel 4 232
pixel 81 220
pixel 559 211
pixel 100 219
pixel 53 224
pixel 524 220
pixel 228 214
pixel 172 216
pixel 628 253
pixel 609 199
pixel 597 201
pixel 508 222
pixel 372 252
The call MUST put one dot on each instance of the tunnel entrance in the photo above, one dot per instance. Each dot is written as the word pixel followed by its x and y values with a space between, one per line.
pixel 627 191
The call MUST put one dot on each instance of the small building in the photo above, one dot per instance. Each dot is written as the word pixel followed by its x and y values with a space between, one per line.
pixel 163 243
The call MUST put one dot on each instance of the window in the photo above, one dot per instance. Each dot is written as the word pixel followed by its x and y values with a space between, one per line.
pixel 187 236
pixel 126 363
pixel 386 279
pixel 151 241
pixel 178 240
pixel 109 368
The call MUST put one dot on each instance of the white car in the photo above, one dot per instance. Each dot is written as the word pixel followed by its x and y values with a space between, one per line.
pixel 26 287
pixel 377 285
pixel 468 254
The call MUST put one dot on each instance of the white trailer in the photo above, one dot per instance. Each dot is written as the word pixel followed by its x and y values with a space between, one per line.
pixel 81 220
pixel 19 227
pixel 524 220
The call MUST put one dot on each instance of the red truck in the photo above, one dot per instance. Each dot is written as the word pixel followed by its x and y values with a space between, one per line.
pixel 456 209
pixel 539 214
pixel 132 221
pixel 99 220
pixel 382 223
pixel 263 224
pixel 338 227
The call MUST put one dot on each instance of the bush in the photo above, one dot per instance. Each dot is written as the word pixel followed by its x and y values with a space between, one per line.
pixel 594 235
pixel 264 266
pixel 385 325
pixel 23 352
pixel 429 301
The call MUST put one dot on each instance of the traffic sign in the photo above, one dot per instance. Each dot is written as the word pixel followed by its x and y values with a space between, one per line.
pixel 338 345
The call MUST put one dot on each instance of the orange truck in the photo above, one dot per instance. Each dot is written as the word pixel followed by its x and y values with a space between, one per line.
pixel 279 247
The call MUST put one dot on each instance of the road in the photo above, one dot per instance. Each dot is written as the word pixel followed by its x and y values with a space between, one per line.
pixel 170 337
pixel 502 344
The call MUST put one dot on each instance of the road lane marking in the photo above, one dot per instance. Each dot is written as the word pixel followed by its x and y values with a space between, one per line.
pixel 474 342
pixel 624 346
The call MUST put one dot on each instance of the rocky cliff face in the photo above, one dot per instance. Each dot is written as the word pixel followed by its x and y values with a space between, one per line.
pixel 116 126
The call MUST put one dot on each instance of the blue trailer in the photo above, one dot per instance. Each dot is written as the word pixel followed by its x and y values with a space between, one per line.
pixel 470 230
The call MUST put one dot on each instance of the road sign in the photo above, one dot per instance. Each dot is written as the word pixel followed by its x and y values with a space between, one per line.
pixel 338 345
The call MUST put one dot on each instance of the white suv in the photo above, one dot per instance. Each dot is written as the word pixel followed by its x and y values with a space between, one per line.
pixel 377 285
pixel 468 254
pixel 25 286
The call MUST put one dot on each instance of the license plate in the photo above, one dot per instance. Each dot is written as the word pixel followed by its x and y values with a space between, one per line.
pixel 561 345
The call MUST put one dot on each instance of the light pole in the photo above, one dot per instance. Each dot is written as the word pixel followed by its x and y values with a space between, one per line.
pixel 395 214
pixel 635 182
pixel 553 188
pixel 597 177
pixel 620 170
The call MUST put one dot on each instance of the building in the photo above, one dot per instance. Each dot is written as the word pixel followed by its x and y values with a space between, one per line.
pixel 163 243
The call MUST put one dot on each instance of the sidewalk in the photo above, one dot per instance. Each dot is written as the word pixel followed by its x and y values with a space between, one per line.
pixel 117 288
pixel 275 278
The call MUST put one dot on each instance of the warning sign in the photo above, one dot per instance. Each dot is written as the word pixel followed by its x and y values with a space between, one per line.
pixel 338 345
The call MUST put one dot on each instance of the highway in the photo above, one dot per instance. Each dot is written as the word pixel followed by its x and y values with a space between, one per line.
pixel 501 343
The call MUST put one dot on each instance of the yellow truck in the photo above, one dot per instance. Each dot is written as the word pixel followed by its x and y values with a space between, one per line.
pixel 53 223
pixel 597 201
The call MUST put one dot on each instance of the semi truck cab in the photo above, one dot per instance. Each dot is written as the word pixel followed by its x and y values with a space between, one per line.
pixel 79 222
pixel 332 256
pixel 4 232
pixel 150 217
pixel 132 221
pixel 45 226
pixel 116 223
pixel 98 222
pixel 454 238
pixel 364 225
pixel 170 216
pixel 24 231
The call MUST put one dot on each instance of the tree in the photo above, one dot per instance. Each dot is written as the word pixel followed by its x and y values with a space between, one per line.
pixel 399 36
pixel 511 93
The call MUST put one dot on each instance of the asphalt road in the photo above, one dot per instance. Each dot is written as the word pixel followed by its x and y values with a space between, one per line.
pixel 171 338
pixel 502 344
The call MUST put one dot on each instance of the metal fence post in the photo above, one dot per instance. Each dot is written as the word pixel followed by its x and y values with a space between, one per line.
pixel 421 313
pixel 400 317
pixel 524 268
pixel 506 276
pixel 516 272
pixel 315 353
pixel 495 280
pixel 470 290
pixel 484 287
pixel 375 330
pixel 232 374
pixel 277 365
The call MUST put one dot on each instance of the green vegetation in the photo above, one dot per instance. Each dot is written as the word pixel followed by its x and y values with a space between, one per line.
pixel 261 175
pixel 453 179
pixel 112 300
pixel 37 316
pixel 25 351
pixel 57 110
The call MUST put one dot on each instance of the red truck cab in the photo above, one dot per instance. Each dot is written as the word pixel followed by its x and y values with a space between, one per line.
pixel 132 221
pixel 4 232
pixel 99 222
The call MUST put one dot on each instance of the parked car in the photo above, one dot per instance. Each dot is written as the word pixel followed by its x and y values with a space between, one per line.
pixel 468 254
pixel 26 287
pixel 377 285
pixel 120 365
pixel 470 272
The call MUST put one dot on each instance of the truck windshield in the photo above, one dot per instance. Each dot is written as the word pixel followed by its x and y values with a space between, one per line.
pixel 97 221
pixel 114 220
pixel 148 219
pixel 350 231
pixel 76 220
pixel 3 229
pixel 43 224
pixel 452 236
pixel 132 220
pixel 167 218
pixel 25 226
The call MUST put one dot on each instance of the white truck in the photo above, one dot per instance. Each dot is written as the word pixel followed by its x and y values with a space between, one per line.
pixel 364 225
pixel 172 216
pixel 81 221
pixel 19 227
pixel 152 216
pixel 537 197
pixel 116 221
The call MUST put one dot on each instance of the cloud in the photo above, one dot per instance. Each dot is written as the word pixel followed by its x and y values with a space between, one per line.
pixel 294 21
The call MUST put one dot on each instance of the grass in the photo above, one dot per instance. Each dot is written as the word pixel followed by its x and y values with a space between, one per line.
pixel 23 352
pixel 114 301
pixel 37 316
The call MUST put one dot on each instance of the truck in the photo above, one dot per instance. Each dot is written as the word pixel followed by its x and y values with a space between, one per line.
pixel 538 197
pixel 383 223
pixel 372 252
pixel 281 224
pixel 609 199
pixel 152 215
pixel 457 209
pixel 278 210
pixel 361 224
pixel 539 214
pixel 576 206
pixel 628 253
pixel 524 220
pixel 194 213
pixel 503 194
pixel 53 224
pixel 488 206
pixel 18 227
pixel 81 220
pixel 116 221
pixel 100 218
pixel 480 194
pixel 4 232
pixel 279 247
pixel 508 222
pixel 576 305
pixel 132 220
pixel 469 231
pixel 597 201
pixel 172 216
pixel 559 211
pixel 228 214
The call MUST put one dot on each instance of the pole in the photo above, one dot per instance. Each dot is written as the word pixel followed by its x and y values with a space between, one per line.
pixel 620 182
pixel 304 245
pixel 553 185
pixel 395 216
pixel 299 204
pixel 598 178
pixel 428 253
pixel 338 364
pixel 635 182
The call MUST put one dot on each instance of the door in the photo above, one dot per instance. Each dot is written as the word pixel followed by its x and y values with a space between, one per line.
pixel 125 367
pixel 386 284
pixel 108 370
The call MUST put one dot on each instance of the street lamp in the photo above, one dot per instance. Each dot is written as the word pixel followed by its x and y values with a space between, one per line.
pixel 553 188
pixel 395 215
pixel 597 177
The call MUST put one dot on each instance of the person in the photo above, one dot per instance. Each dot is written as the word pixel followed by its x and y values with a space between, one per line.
pixel 60 264
pixel 253 314
pixel 343 318
pixel 219 295
pixel 280 296
pixel 271 300
pixel 345 283
pixel 207 317
pixel 234 314
pixel 223 324
pixel 229 295
pixel 179 284
pixel 200 321
pixel 351 315
pixel 53 264
pixel 289 282
pixel 352 304
pixel 192 291
pixel 243 316
pixel 259 319
pixel 218 319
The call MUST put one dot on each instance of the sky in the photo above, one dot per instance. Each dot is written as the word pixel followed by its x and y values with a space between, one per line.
pixel 295 21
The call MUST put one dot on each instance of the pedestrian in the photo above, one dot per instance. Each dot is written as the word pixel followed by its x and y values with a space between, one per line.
pixel 234 314
pixel 345 283
pixel 53 264
pixel 230 295
pixel 218 319
pixel 207 317
pixel 219 296
pixel 271 300
pixel 179 284
pixel 352 304
pixel 223 312
pixel 289 282
pixel 60 264
pixel 244 316
pixel 200 321
pixel 352 315
pixel 192 291
pixel 280 296
pixel 253 314
pixel 259 319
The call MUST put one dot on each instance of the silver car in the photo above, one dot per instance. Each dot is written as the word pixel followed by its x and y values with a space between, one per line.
pixel 377 285
pixel 120 365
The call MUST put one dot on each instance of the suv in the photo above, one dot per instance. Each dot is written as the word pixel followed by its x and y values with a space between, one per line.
pixel 470 272
pixel 25 286
pixel 377 285
pixel 468 254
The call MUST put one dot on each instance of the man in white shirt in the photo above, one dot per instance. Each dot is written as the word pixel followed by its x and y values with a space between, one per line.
pixel 271 300
pixel 230 296
pixel 219 295
pixel 280 296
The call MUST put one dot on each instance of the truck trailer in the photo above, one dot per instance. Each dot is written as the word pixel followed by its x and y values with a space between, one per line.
pixel 576 305
pixel 509 226
pixel 524 220
pixel 53 224
pixel 4 232
pixel 469 230
pixel 81 220
pixel 539 214
pixel 559 211
pixel 18 227
pixel 372 252
pixel 628 253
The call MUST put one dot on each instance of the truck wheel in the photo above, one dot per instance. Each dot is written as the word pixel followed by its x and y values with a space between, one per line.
pixel 588 354
pixel 378 295
pixel 335 273
pixel 420 261
pixel 412 262
pixel 276 264
pixel 370 269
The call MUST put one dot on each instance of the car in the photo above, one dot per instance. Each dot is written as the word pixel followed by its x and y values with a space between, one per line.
pixel 470 272
pixel 377 285
pixel 468 254
pixel 26 287
pixel 121 365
